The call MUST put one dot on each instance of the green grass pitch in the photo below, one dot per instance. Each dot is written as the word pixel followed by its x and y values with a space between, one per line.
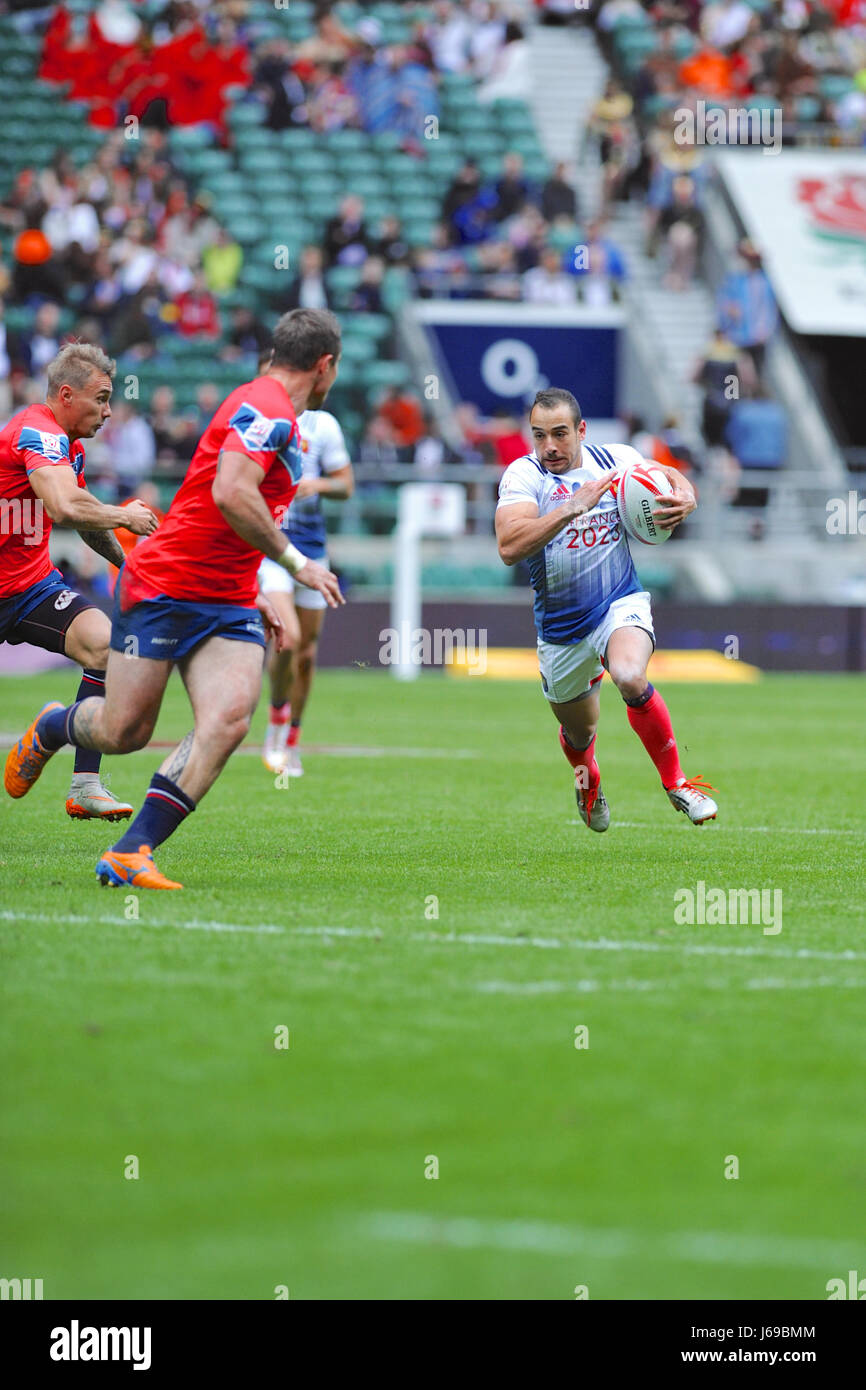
pixel 415 1038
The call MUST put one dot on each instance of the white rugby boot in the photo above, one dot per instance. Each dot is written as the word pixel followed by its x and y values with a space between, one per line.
pixel 592 806
pixel 293 765
pixel 689 797
pixel 274 750
pixel 89 799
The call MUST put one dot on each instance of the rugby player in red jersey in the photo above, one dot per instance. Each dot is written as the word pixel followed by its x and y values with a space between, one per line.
pixel 42 481
pixel 187 596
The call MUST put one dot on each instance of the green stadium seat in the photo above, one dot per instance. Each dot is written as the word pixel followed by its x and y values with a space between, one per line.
pixel 245 115
pixel 379 376
pixel 346 140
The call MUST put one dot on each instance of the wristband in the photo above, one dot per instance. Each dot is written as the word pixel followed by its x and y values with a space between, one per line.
pixel 292 559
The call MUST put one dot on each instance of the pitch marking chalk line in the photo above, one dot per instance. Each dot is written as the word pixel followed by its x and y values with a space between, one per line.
pixel 448 938
pixel 550 1238
pixel 739 829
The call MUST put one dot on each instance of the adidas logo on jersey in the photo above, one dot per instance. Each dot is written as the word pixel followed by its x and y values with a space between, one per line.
pixel 562 491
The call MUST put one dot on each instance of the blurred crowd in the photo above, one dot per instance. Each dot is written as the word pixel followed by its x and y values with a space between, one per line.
pixel 126 251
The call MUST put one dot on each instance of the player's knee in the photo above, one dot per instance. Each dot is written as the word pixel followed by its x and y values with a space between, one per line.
pixel 629 680
pixel 129 736
pixel 307 657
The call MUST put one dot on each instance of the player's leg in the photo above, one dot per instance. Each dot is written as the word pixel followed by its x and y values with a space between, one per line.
pixel 311 616
pixel 627 653
pixel 277 584
pixel 87 639
pixel 120 722
pixel 570 677
pixel 223 679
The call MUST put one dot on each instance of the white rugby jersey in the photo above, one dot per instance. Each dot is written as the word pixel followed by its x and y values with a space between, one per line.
pixel 324 451
pixel 579 574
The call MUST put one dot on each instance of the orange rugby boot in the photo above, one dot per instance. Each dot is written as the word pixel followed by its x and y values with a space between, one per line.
pixel 116 870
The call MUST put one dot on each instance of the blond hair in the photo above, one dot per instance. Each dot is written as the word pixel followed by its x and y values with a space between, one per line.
pixel 75 364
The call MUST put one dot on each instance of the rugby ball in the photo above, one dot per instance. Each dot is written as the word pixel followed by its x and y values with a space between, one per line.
pixel 637 493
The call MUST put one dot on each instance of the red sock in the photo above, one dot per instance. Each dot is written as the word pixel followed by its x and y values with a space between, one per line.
pixel 294 735
pixel 652 724
pixel 582 758
pixel 280 714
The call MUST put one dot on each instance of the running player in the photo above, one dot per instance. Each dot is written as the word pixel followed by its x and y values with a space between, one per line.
pixel 42 482
pixel 327 472
pixel 556 511
pixel 187 596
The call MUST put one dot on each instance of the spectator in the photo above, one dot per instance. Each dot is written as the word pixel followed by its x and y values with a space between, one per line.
pixel 558 199
pixel 197 312
pixel 463 188
pixel 331 104
pixel 725 373
pixel 511 74
pixel 613 107
pixel 599 264
pixel 390 244
pixel 173 433
pixel 746 305
pixel 404 416
pixel 378 445
pixel 132 447
pixel 207 400
pixel 346 240
pixel 308 289
pixel 548 283
pixel 512 189
pixel 40 346
pixel 430 448
pixel 247 335
pixel 366 297
pixel 487 38
pixel 682 227
pixel 222 262
pixel 449 37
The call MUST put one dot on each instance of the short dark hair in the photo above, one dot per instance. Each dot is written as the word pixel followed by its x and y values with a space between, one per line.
pixel 553 396
pixel 302 336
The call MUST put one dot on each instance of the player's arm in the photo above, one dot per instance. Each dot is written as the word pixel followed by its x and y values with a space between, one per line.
pixel 682 501
pixel 106 544
pixel 340 485
pixel 521 532
pixel 67 504
pixel 235 491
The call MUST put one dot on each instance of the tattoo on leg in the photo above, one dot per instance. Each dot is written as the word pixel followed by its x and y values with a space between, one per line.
pixel 177 760
pixel 85 732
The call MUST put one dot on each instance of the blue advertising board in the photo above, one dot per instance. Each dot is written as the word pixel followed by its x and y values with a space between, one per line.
pixel 499 355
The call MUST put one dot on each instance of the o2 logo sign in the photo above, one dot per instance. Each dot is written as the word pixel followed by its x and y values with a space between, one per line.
pixel 509 367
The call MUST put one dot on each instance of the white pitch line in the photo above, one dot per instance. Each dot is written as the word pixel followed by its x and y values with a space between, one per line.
pixel 531 988
pixel 192 925
pixel 450 938
pixel 580 1242
pixel 738 829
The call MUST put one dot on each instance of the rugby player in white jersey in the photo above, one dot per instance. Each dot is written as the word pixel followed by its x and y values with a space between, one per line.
pixel 327 472
pixel 557 512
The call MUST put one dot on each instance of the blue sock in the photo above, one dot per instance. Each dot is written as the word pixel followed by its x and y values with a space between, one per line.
pixel 165 806
pixel 52 729
pixel 92 683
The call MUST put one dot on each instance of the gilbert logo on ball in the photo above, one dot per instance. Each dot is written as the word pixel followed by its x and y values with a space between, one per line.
pixel 637 497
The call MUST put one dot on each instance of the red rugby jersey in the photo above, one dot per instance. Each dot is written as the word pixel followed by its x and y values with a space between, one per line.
pixel 195 555
pixel 32 439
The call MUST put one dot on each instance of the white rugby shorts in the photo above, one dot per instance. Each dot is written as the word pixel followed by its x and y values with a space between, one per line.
pixel 569 671
pixel 274 579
